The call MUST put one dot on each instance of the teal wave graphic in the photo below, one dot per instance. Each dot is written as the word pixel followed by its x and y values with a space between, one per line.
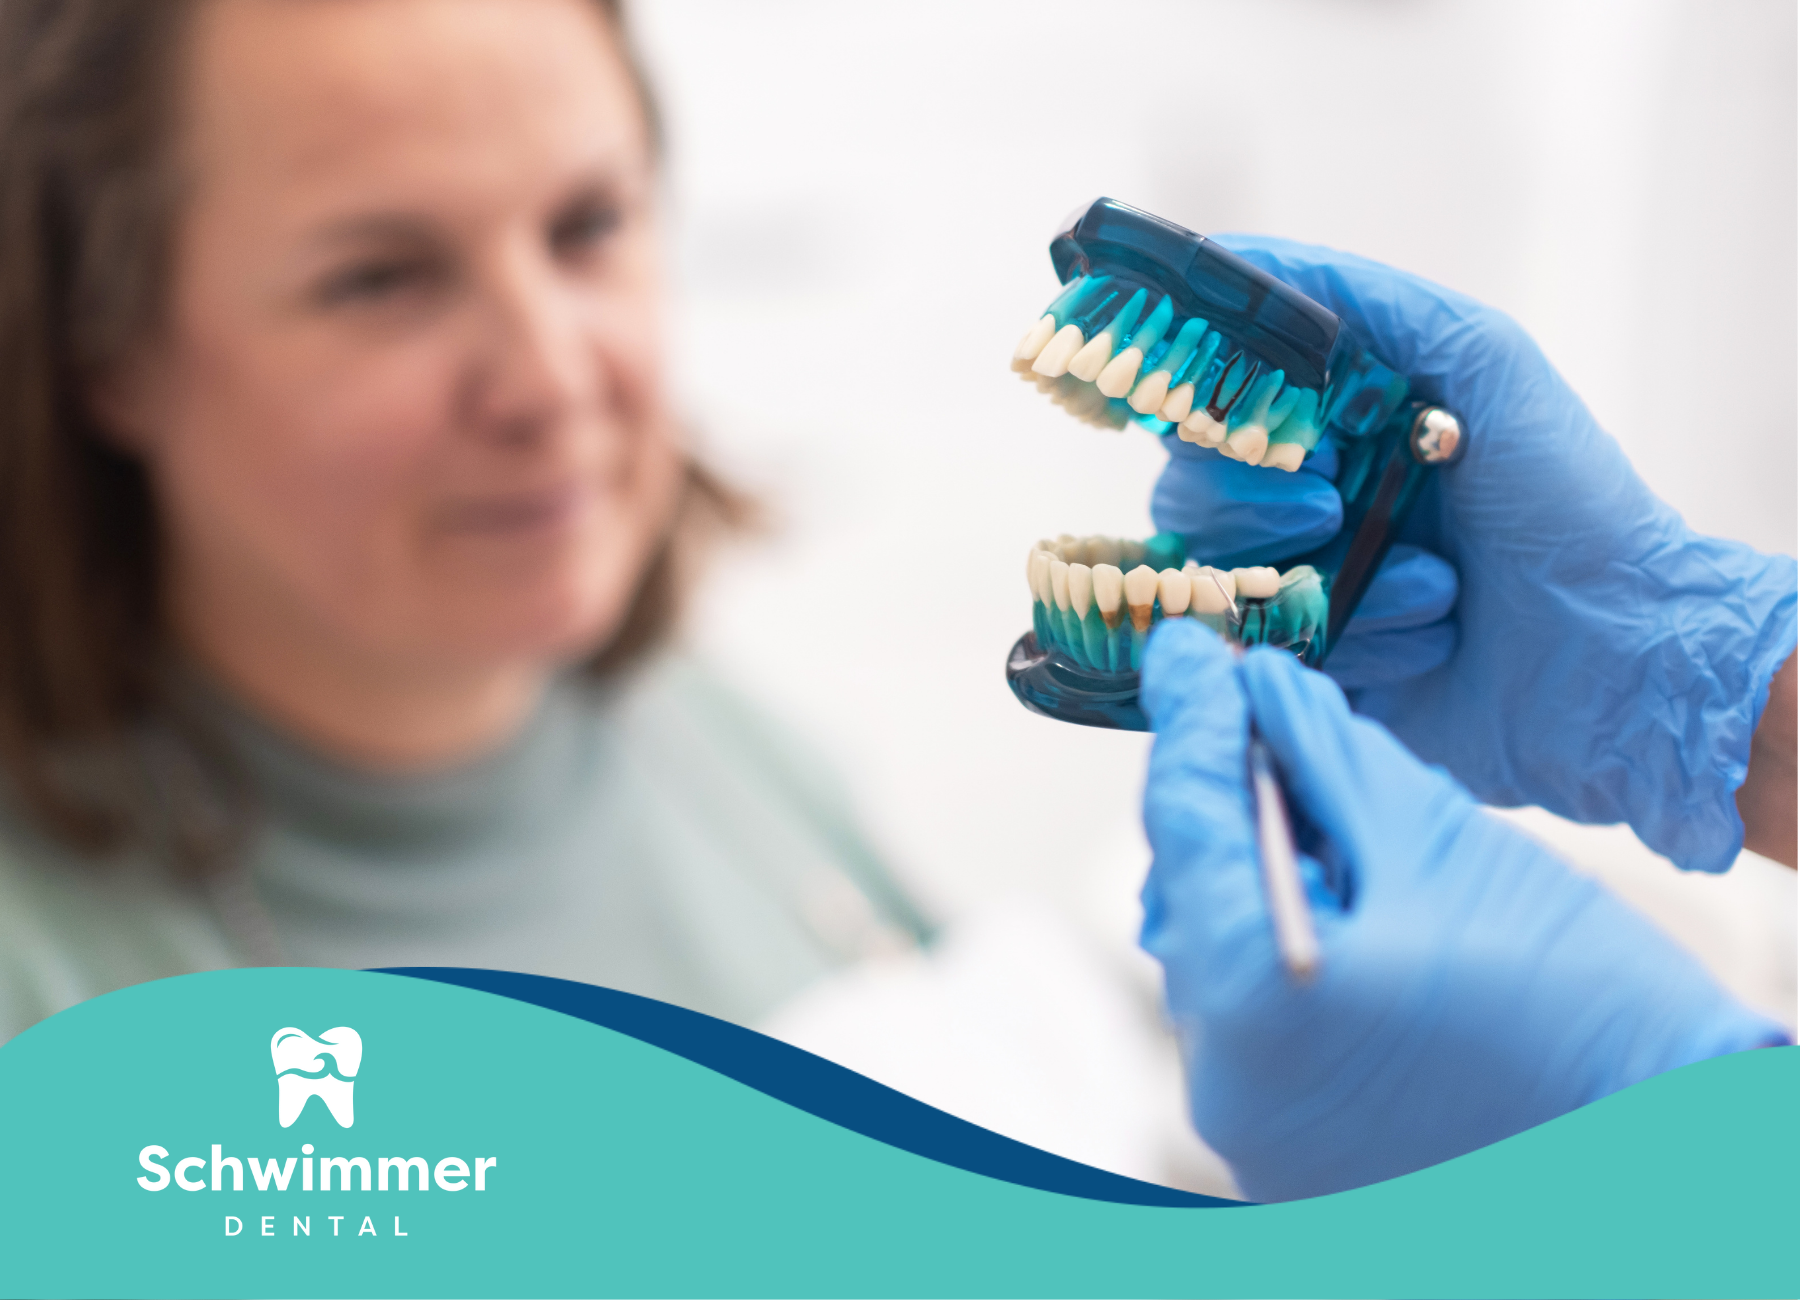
pixel 817 1086
pixel 624 1168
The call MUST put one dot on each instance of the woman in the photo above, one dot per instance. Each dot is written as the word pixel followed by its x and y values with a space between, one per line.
pixel 344 514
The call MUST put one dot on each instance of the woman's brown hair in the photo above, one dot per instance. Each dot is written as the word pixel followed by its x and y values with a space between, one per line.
pixel 89 197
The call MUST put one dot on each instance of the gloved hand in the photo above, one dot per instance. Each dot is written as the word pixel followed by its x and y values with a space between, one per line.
pixel 1607 662
pixel 1471 985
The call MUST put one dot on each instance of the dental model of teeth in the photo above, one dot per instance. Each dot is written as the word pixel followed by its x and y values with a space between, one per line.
pixel 1096 352
pixel 1096 599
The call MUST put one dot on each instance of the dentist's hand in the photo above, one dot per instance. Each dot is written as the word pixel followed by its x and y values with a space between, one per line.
pixel 1471 985
pixel 1605 661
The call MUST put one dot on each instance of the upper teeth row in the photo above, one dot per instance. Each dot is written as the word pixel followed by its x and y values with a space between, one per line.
pixel 1217 397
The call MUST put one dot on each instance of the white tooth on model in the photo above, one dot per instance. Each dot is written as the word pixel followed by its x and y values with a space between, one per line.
pixel 1175 587
pixel 1147 397
pixel 1054 359
pixel 1249 443
pixel 1204 594
pixel 1035 338
pixel 1065 546
pixel 1256 583
pixel 1140 595
pixel 1081 589
pixel 1178 403
pixel 1104 550
pixel 1039 575
pixel 1131 551
pixel 1120 373
pixel 1207 431
pixel 1091 360
pixel 1109 590
pixel 1284 455
pixel 1059 583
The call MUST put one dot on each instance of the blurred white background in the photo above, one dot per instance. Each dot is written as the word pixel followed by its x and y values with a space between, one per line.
pixel 861 197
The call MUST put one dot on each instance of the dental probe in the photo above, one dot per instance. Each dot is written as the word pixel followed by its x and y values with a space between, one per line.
pixel 1294 932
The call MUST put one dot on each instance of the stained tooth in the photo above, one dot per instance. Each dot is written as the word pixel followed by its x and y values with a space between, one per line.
pixel 1174 587
pixel 1033 342
pixel 1091 360
pixel 1131 551
pixel 1109 589
pixel 1054 359
pixel 1081 589
pixel 1059 583
pixel 1120 373
pixel 1178 403
pixel 1150 393
pixel 1140 596
pixel 1256 583
pixel 1284 455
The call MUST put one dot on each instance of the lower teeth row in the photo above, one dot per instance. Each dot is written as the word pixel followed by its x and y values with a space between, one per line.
pixel 1100 614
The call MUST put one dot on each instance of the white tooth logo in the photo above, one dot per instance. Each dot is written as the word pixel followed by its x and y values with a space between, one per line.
pixel 301 1074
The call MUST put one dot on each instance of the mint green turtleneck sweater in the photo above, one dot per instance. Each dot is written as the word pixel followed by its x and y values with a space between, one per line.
pixel 656 836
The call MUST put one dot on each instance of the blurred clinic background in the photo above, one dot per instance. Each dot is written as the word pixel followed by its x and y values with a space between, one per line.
pixel 861 196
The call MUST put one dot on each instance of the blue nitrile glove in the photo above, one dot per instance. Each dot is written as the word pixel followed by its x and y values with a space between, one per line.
pixel 1471 987
pixel 1607 662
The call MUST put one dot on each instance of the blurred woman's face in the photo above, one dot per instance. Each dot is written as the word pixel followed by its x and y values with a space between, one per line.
pixel 407 405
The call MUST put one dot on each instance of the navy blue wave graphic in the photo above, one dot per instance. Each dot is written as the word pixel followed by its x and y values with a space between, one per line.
pixel 817 1086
